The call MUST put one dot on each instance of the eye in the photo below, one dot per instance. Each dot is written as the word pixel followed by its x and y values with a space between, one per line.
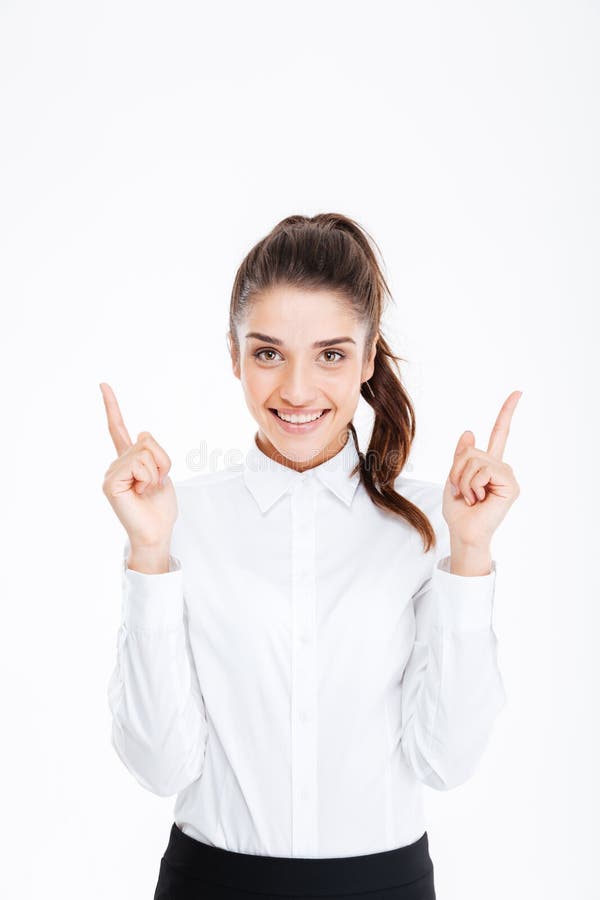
pixel 337 353
pixel 258 354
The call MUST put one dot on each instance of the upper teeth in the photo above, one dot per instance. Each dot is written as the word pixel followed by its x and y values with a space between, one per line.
pixel 297 420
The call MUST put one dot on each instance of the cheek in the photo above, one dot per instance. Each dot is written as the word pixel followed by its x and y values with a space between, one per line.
pixel 345 388
pixel 258 383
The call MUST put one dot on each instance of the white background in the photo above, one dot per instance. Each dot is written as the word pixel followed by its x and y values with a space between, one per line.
pixel 144 149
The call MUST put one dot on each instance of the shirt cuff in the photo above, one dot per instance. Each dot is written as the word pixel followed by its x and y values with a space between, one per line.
pixel 464 602
pixel 152 602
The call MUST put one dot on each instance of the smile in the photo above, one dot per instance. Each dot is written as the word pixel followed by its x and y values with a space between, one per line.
pixel 299 423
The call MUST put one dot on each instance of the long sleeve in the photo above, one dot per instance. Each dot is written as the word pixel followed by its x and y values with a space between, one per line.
pixel 452 686
pixel 159 727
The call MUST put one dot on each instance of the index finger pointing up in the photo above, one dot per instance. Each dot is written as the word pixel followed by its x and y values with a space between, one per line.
pixel 116 425
pixel 499 435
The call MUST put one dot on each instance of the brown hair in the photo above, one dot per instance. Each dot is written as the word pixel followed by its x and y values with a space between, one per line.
pixel 333 252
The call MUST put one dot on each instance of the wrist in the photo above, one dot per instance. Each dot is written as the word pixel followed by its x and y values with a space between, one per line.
pixel 470 559
pixel 149 559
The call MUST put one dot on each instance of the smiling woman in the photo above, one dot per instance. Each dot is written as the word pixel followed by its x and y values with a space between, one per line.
pixel 305 643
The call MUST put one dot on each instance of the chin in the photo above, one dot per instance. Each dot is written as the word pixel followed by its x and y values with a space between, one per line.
pixel 300 448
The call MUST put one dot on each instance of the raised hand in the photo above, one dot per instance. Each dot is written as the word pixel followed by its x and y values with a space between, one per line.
pixel 137 484
pixel 485 485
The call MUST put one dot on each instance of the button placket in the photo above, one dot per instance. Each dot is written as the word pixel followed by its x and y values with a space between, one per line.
pixel 304 671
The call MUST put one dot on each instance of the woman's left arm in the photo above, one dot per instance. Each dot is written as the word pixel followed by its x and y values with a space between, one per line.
pixel 452 686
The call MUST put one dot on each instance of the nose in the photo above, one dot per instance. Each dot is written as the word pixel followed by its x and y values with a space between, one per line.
pixel 297 387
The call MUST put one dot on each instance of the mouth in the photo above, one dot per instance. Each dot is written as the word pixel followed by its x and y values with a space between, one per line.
pixel 291 425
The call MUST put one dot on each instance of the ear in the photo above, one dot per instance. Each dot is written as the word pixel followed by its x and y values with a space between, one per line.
pixel 235 360
pixel 369 367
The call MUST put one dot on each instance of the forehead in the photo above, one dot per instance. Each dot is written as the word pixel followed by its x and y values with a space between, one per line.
pixel 296 315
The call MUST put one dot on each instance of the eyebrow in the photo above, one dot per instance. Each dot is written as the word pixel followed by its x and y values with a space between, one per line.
pixel 279 343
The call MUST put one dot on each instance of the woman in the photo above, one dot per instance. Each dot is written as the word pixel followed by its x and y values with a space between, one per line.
pixel 306 635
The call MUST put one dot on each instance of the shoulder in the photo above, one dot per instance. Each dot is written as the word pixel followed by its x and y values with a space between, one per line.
pixel 208 480
pixel 208 492
pixel 204 504
pixel 427 495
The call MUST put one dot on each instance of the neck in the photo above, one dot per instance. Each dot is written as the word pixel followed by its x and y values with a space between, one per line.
pixel 300 465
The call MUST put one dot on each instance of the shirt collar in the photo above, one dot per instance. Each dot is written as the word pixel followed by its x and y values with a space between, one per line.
pixel 267 480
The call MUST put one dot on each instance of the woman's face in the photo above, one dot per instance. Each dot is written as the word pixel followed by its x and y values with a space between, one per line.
pixel 301 354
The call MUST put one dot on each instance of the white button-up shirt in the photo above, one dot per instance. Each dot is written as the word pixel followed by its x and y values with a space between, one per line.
pixel 304 668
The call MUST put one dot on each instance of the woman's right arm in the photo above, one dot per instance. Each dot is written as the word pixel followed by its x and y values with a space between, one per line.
pixel 159 727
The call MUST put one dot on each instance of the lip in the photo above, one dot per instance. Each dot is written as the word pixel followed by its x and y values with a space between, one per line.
pixel 302 428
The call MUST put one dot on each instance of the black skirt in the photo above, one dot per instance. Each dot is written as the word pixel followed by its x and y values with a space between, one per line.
pixel 193 870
